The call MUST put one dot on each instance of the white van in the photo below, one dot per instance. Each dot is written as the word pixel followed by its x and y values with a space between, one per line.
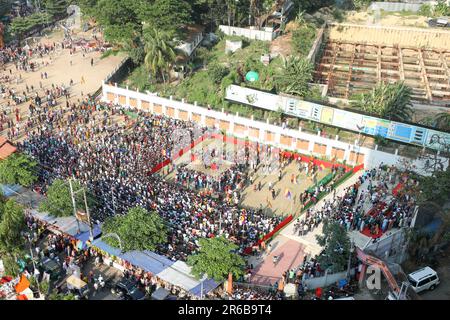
pixel 423 279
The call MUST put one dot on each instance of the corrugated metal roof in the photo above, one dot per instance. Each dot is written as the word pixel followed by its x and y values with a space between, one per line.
pixel 6 150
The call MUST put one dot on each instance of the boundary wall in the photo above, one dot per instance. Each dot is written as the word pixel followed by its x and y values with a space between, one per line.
pixel 257 131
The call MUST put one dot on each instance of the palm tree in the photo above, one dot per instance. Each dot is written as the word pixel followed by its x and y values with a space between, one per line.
pixel 390 101
pixel 296 76
pixel 442 120
pixel 159 52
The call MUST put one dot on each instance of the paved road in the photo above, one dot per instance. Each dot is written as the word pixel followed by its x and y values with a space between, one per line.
pixel 442 291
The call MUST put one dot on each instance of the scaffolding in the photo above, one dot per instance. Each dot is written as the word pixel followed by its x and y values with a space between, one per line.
pixel 350 68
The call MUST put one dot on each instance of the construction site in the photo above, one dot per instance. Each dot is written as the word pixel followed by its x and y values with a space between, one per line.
pixel 353 58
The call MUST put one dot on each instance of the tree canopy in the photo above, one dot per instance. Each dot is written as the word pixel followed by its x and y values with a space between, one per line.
pixel 18 168
pixel 56 8
pixel 168 15
pixel 389 101
pixel 216 258
pixel 336 244
pixel 12 223
pixel 58 201
pixel 5 7
pixel 20 26
pixel 436 187
pixel 296 76
pixel 159 52
pixel 137 230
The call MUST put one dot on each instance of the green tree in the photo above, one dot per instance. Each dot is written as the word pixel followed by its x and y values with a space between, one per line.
pixel 88 7
pixel 60 296
pixel 10 263
pixel 11 226
pixel 58 202
pixel 159 53
pixel 20 26
pixel 295 77
pixel 217 72
pixel 303 38
pixel 120 20
pixel 135 50
pixel 18 168
pixel 216 258
pixel 137 230
pixel 443 121
pixel 168 15
pixel 336 247
pixel 56 8
pixel 389 101
pixel 436 187
pixel 5 7
pixel 442 9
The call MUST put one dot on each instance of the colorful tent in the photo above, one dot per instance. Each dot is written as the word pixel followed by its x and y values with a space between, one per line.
pixel 22 285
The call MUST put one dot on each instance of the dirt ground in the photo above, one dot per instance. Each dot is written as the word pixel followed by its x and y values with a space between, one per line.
pixel 251 197
pixel 387 19
pixel 60 72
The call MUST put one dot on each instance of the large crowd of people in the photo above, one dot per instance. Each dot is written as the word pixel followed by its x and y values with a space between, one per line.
pixel 367 205
pixel 114 161
pixel 40 97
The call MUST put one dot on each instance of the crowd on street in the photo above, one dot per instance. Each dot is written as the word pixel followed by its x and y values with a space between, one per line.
pixel 366 205
pixel 114 161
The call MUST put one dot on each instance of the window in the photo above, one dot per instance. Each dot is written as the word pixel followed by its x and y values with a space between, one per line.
pixel 424 282
pixel 432 278
pixel 412 281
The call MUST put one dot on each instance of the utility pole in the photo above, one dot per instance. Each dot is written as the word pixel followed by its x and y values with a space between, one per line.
pixel 34 264
pixel 74 205
pixel 350 261
pixel 113 201
pixel 91 233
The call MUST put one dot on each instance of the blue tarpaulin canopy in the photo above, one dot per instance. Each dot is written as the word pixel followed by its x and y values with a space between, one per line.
pixel 106 247
pixel 177 273
pixel 10 190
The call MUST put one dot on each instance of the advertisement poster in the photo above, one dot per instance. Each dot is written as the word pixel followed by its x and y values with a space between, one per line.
pixel 327 115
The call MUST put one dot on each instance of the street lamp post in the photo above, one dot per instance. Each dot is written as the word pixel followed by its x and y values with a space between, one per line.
pixel 352 249
pixel 34 264
pixel 73 203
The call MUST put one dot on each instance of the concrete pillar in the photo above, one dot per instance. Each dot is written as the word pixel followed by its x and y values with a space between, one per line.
pixel 127 98
pixel 231 126
pixel 328 150
pixel 203 119
pixel 311 145
pixel 362 276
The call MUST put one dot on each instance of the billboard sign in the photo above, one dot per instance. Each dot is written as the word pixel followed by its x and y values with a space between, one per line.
pixel 353 121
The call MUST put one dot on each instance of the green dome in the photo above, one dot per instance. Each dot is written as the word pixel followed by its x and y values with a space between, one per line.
pixel 252 76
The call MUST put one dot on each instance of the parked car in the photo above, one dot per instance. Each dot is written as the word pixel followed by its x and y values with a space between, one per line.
pixel 128 290
pixel 423 279
pixel 52 268
pixel 443 22
pixel 162 294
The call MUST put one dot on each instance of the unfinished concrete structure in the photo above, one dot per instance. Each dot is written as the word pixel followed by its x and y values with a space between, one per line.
pixel 354 58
